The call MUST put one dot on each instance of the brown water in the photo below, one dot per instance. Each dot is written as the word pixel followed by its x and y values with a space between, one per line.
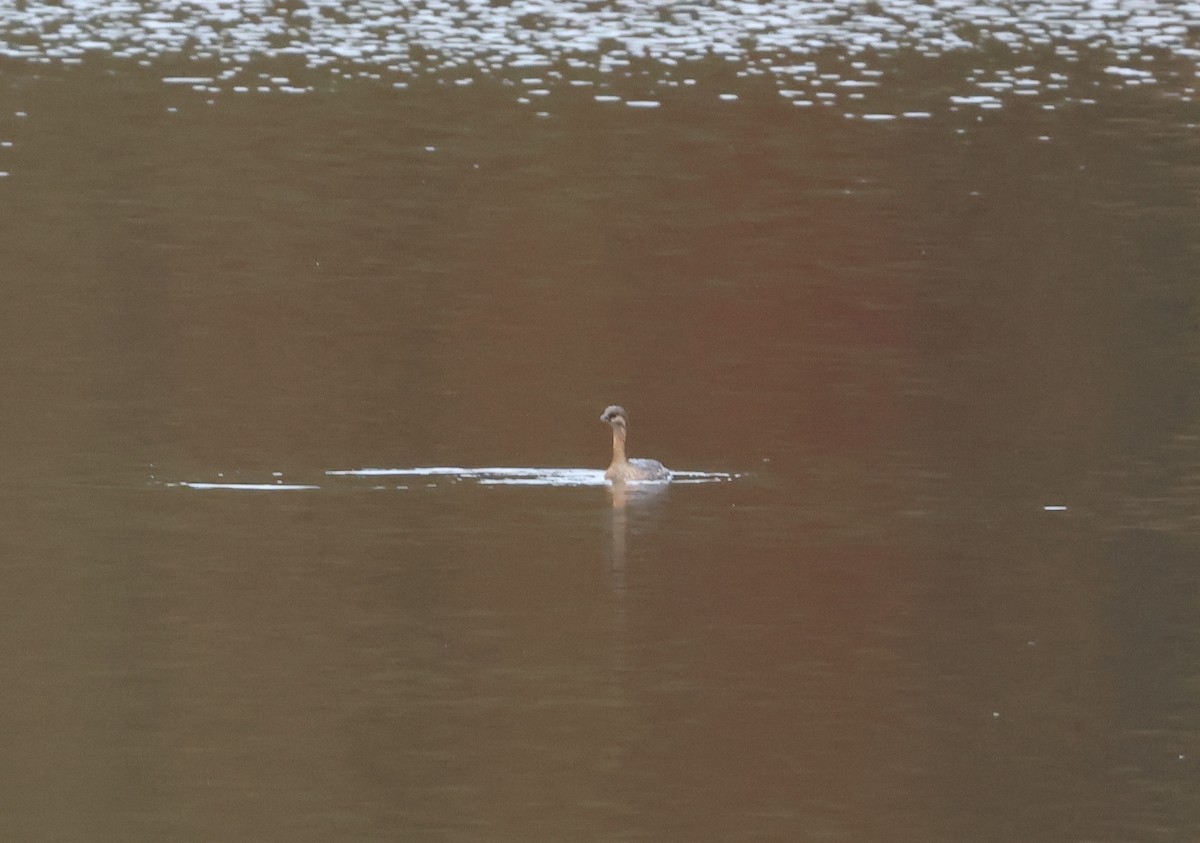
pixel 954 596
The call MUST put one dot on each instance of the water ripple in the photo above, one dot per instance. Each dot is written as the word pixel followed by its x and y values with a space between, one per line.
pixel 433 475
pixel 513 476
pixel 820 52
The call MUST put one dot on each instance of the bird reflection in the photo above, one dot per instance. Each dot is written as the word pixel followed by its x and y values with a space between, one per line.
pixel 627 497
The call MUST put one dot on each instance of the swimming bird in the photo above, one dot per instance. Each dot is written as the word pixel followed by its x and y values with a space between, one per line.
pixel 622 469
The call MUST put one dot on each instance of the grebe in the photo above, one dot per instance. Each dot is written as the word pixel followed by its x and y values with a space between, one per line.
pixel 623 469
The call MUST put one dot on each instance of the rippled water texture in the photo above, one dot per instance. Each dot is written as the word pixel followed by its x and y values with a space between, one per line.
pixel 310 310
pixel 825 54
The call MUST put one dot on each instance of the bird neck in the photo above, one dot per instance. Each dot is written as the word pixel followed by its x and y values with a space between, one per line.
pixel 618 444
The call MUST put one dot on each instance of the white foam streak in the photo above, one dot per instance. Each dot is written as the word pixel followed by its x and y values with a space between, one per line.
pixel 248 487
pixel 518 476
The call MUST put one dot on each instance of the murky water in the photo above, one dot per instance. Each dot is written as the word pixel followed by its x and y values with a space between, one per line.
pixel 310 311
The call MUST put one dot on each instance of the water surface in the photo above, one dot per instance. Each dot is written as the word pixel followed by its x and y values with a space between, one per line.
pixel 935 333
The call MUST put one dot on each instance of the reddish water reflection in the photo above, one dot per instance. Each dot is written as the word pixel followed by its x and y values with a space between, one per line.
pixel 911 339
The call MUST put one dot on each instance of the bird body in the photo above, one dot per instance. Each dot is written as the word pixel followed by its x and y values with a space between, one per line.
pixel 622 469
